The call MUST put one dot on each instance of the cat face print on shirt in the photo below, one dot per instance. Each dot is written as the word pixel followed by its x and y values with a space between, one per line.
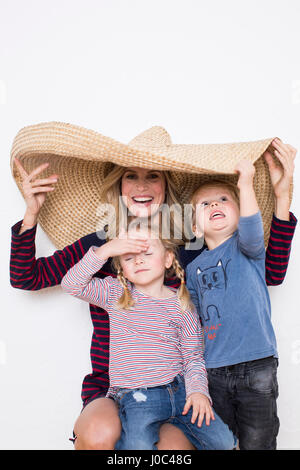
pixel 212 283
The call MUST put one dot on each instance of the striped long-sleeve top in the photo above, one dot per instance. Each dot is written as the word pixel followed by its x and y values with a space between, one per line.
pixel 30 273
pixel 151 342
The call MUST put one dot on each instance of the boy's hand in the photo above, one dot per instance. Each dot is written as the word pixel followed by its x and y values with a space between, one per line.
pixel 201 406
pixel 246 171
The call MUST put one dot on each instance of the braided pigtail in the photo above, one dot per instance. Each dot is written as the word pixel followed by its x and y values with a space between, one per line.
pixel 125 301
pixel 183 293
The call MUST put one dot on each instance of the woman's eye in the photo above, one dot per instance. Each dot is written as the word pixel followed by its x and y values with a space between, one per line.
pixel 204 203
pixel 148 254
pixel 130 176
pixel 128 259
pixel 153 176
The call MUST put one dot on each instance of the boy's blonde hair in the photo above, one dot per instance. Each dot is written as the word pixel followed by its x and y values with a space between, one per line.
pixel 214 183
pixel 126 301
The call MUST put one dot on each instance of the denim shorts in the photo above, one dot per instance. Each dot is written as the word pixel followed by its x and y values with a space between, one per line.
pixel 143 410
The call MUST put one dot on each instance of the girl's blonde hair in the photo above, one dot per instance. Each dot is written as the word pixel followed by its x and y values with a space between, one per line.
pixel 111 192
pixel 126 301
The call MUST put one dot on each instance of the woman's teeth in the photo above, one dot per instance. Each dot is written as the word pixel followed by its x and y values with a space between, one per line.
pixel 142 199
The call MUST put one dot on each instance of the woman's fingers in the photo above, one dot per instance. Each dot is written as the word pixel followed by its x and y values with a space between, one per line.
pixel 28 177
pixel 285 162
pixel 292 150
pixel 52 179
pixel 37 170
pixel 270 160
pixel 42 189
pixel 283 146
pixel 284 155
pixel 21 169
pixel 288 150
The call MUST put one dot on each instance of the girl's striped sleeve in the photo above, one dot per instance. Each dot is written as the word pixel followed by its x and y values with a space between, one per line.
pixel 279 249
pixel 31 273
pixel 80 283
pixel 192 349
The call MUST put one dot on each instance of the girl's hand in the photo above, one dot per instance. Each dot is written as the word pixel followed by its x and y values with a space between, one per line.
pixel 122 245
pixel 246 171
pixel 201 406
pixel 35 190
pixel 281 175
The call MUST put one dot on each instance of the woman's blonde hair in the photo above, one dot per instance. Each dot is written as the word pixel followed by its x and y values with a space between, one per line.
pixel 111 192
pixel 126 301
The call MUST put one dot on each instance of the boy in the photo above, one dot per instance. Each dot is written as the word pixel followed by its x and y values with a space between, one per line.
pixel 228 287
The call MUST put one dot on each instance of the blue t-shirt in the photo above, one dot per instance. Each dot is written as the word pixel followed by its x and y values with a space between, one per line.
pixel 228 287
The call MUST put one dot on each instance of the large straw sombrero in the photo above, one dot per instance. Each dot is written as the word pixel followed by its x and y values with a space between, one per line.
pixel 82 158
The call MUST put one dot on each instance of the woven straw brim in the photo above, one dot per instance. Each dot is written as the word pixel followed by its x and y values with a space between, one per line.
pixel 82 158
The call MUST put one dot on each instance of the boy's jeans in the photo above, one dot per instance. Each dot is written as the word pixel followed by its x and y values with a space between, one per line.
pixel 144 410
pixel 244 395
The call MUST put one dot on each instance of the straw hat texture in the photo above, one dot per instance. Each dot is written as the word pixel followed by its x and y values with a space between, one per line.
pixel 82 158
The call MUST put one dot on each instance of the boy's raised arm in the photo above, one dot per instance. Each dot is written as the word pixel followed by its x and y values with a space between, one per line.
pixel 251 233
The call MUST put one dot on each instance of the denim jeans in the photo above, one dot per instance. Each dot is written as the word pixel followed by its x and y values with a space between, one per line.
pixel 143 410
pixel 244 395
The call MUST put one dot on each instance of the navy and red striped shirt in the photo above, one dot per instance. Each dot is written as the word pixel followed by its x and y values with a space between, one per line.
pixel 31 273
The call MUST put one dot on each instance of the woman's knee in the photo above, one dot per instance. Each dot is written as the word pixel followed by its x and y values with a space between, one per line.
pixel 98 428
pixel 172 438
pixel 93 438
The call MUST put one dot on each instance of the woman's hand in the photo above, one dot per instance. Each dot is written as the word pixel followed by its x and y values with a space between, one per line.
pixel 123 244
pixel 281 175
pixel 35 190
pixel 201 406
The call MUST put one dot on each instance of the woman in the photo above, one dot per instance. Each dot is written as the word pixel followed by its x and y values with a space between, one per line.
pixel 98 426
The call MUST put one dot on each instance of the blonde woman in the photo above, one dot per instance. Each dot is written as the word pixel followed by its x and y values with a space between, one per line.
pixel 98 425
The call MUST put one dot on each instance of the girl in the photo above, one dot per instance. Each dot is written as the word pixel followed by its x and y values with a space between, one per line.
pixel 155 339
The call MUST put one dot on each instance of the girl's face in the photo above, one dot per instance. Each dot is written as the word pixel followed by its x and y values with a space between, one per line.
pixel 143 191
pixel 149 266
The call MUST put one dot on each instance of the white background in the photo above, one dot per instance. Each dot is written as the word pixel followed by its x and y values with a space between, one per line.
pixel 209 72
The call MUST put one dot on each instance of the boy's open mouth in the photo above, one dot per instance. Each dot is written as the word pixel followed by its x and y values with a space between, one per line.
pixel 216 215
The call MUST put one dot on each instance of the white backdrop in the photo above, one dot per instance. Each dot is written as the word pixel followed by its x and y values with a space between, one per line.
pixel 209 72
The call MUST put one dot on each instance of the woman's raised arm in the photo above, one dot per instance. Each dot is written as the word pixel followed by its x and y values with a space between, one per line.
pixel 26 271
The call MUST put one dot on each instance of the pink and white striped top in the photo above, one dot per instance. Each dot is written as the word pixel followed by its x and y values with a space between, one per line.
pixel 151 342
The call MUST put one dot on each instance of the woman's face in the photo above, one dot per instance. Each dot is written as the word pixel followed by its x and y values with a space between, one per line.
pixel 143 191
